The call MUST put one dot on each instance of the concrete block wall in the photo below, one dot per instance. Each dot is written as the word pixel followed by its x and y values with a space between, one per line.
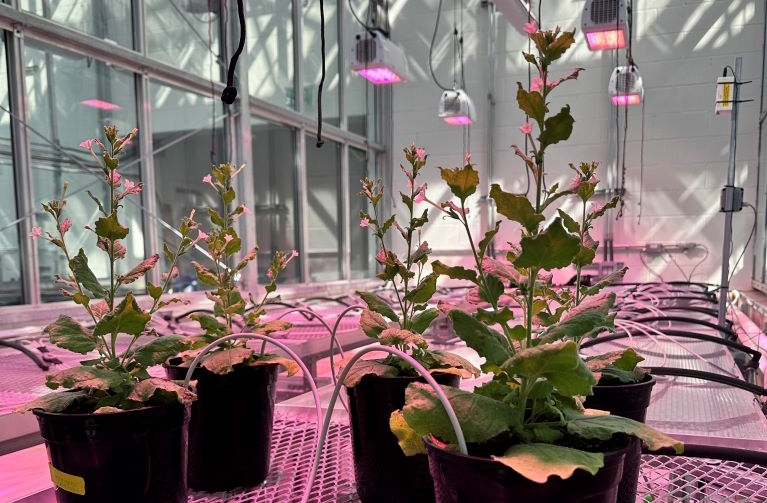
pixel 676 148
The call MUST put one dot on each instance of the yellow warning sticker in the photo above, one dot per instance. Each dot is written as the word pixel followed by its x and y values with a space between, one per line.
pixel 67 482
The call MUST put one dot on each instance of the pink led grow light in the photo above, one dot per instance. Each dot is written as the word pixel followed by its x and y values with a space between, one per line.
pixel 100 104
pixel 379 75
pixel 609 39
pixel 627 99
pixel 458 120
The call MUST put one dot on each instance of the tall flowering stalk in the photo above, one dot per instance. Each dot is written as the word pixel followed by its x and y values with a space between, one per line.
pixel 113 379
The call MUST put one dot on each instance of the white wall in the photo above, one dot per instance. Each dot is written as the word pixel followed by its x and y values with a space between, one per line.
pixel 680 48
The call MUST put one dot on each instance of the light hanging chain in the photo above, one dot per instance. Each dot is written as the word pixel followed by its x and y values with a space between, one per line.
pixel 320 141
pixel 230 92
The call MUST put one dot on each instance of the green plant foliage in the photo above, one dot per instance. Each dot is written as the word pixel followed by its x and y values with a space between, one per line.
pixel 551 249
pixel 538 462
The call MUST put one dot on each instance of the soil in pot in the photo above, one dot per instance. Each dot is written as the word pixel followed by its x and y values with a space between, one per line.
pixel 631 401
pixel 135 456
pixel 383 473
pixel 460 478
pixel 230 431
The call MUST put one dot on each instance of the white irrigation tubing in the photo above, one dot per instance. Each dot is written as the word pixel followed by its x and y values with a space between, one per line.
pixel 625 325
pixel 316 315
pixel 653 299
pixel 641 327
pixel 307 377
pixel 332 340
pixel 421 370
pixel 628 303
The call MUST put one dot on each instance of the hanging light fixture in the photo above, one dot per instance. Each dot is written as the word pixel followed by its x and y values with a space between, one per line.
pixel 625 86
pixel 605 24
pixel 378 59
pixel 456 108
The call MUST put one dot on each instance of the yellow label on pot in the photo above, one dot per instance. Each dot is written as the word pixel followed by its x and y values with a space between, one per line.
pixel 67 482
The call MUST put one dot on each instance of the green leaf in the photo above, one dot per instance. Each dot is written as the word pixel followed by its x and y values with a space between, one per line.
pixel 489 235
pixel 67 333
pixel 451 360
pixel 586 320
pixel 387 224
pixel 168 253
pixel 604 427
pixel 209 323
pixel 234 245
pixel 53 402
pixel 362 368
pixel 585 256
pixel 223 362
pixel 559 46
pixel 628 360
pixel 491 317
pixel 250 256
pixel 272 326
pixel 216 218
pixel 424 291
pixel 228 195
pixel 557 128
pixel 569 222
pixel 422 320
pixel 153 290
pixel 551 249
pixel 85 377
pixel 79 267
pixel 127 318
pixel 516 208
pixel 290 366
pixel 531 103
pixel 81 299
pixel 557 362
pixel 372 323
pixel 409 441
pixel 481 418
pixel 377 304
pixel 109 228
pixel 463 181
pixel 96 200
pixel 161 388
pixel 160 349
pixel 456 272
pixel 537 462
pixel 204 274
pixel 608 280
pixel 495 287
pixel 484 340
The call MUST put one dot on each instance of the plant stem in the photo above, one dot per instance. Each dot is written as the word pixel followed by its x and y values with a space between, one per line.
pixel 579 267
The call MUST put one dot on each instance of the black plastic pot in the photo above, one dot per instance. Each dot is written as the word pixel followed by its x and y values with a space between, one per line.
pixel 230 432
pixel 383 473
pixel 460 478
pixel 631 401
pixel 122 457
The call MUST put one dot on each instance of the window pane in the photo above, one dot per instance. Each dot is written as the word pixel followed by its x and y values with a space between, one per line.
pixel 274 180
pixel 10 262
pixel 110 20
pixel 362 244
pixel 185 34
pixel 313 59
pixel 70 98
pixel 186 140
pixel 270 50
pixel 359 92
pixel 323 179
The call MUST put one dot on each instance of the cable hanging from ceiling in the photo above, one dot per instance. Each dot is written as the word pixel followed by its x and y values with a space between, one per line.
pixel 455 105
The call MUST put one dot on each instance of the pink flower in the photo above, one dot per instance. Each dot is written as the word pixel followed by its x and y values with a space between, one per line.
pixel 132 188
pixel 596 207
pixel 420 154
pixel 365 222
pixel 65 225
pixel 87 144
pixel 420 196
pixel 36 233
pixel 191 214
pixel 536 85
pixel 381 257
pixel 201 236
pixel 113 178
pixel 575 183
pixel 293 254
pixel 173 274
pixel 245 209
pixel 531 27
pixel 457 209
pixel 228 238
pixel 209 180
pixel 593 180
pixel 269 274
pixel 407 173
pixel 526 128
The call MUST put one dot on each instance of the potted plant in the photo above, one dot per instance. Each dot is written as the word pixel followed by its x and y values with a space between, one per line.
pixel 376 388
pixel 529 436
pixel 231 424
pixel 116 434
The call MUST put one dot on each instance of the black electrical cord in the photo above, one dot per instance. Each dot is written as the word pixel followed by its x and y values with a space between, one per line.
pixel 745 247
pixel 320 142
pixel 431 49
pixel 369 28
pixel 230 92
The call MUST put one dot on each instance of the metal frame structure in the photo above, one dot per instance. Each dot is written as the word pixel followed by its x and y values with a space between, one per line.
pixel 20 26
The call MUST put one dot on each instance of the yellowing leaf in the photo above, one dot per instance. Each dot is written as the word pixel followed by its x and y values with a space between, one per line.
pixel 537 462
pixel 409 441
pixel 223 362
pixel 362 368
pixel 289 364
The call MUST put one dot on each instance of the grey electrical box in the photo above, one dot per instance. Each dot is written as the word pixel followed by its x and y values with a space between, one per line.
pixel 731 199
